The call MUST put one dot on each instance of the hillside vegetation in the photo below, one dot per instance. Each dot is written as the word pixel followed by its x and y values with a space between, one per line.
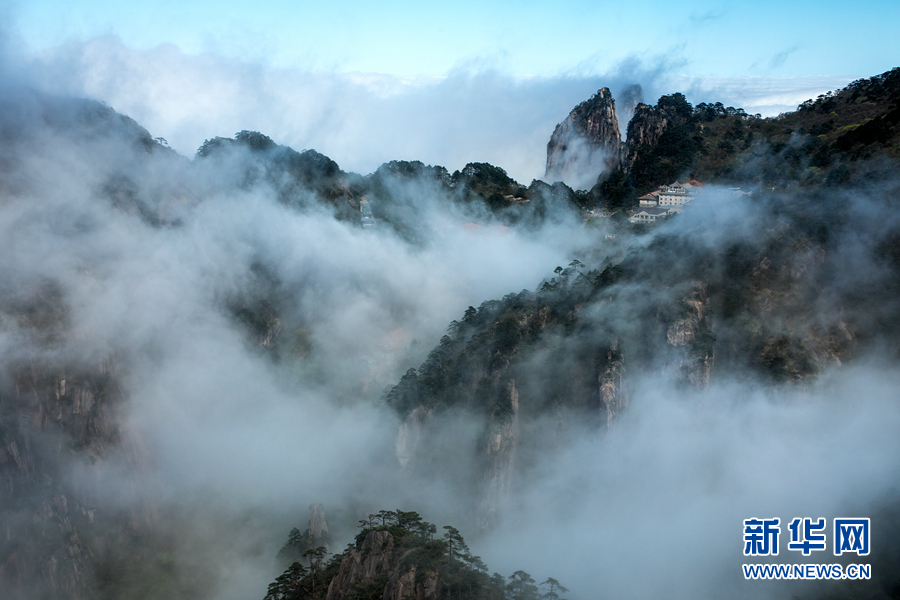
pixel 841 138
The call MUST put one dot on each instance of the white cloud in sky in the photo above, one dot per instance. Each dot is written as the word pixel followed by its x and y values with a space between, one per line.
pixel 362 120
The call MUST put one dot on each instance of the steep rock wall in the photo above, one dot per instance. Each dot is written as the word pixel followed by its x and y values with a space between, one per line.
pixel 54 529
pixel 76 519
pixel 378 560
pixel 691 336
pixel 611 383
pixel 409 586
pixel 499 454
pixel 586 143
pixel 644 131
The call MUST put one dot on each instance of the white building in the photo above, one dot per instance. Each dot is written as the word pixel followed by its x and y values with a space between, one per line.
pixel 650 215
pixel 649 200
pixel 676 195
pixel 368 220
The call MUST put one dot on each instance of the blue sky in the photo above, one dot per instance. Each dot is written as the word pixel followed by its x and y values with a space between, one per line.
pixel 319 74
pixel 798 38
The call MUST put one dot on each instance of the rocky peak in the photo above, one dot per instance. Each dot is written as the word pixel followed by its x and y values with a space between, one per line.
pixel 586 143
pixel 318 528
pixel 611 382
pixel 649 123
pixel 374 560
pixel 378 562
pixel 410 435
pixel 644 129
pixel 499 450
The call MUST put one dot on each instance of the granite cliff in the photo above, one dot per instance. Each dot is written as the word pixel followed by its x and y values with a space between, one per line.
pixel 397 556
pixel 587 142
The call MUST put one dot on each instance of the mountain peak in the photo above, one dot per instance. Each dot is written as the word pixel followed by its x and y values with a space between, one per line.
pixel 586 142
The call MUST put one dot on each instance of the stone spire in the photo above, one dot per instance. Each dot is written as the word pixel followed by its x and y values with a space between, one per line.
pixel 586 143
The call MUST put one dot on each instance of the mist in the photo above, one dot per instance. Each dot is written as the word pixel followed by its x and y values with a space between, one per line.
pixel 213 427
pixel 472 114
pixel 653 504
pixel 658 508
pixel 157 265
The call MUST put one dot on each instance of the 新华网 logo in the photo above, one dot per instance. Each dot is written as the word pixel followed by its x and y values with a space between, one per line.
pixel 807 535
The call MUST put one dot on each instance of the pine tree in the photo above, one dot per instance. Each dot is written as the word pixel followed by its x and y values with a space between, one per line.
pixel 553 585
pixel 521 587
pixel 455 542
pixel 287 584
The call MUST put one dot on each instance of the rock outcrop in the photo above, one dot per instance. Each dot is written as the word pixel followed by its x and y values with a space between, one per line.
pixel 499 452
pixel 377 564
pixel 586 143
pixel 408 587
pixel 318 528
pixel 691 335
pixel 649 123
pixel 644 129
pixel 53 531
pixel 410 435
pixel 372 561
pixel 315 536
pixel 611 383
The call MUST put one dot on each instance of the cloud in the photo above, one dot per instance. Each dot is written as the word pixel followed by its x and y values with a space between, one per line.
pixel 657 508
pixel 768 96
pixel 221 431
pixel 362 120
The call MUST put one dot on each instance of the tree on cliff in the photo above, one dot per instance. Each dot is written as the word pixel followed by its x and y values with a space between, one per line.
pixel 553 585
pixel 521 587
pixel 316 557
pixel 288 583
pixel 396 551
pixel 455 542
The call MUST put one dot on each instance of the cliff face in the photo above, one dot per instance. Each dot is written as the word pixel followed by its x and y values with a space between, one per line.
pixel 377 565
pixel 586 143
pixel 611 383
pixel 499 452
pixel 408 587
pixel 692 338
pixel 644 129
pixel 508 366
pixel 318 528
pixel 55 532
pixel 372 561
pixel 410 435
pixel 649 123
